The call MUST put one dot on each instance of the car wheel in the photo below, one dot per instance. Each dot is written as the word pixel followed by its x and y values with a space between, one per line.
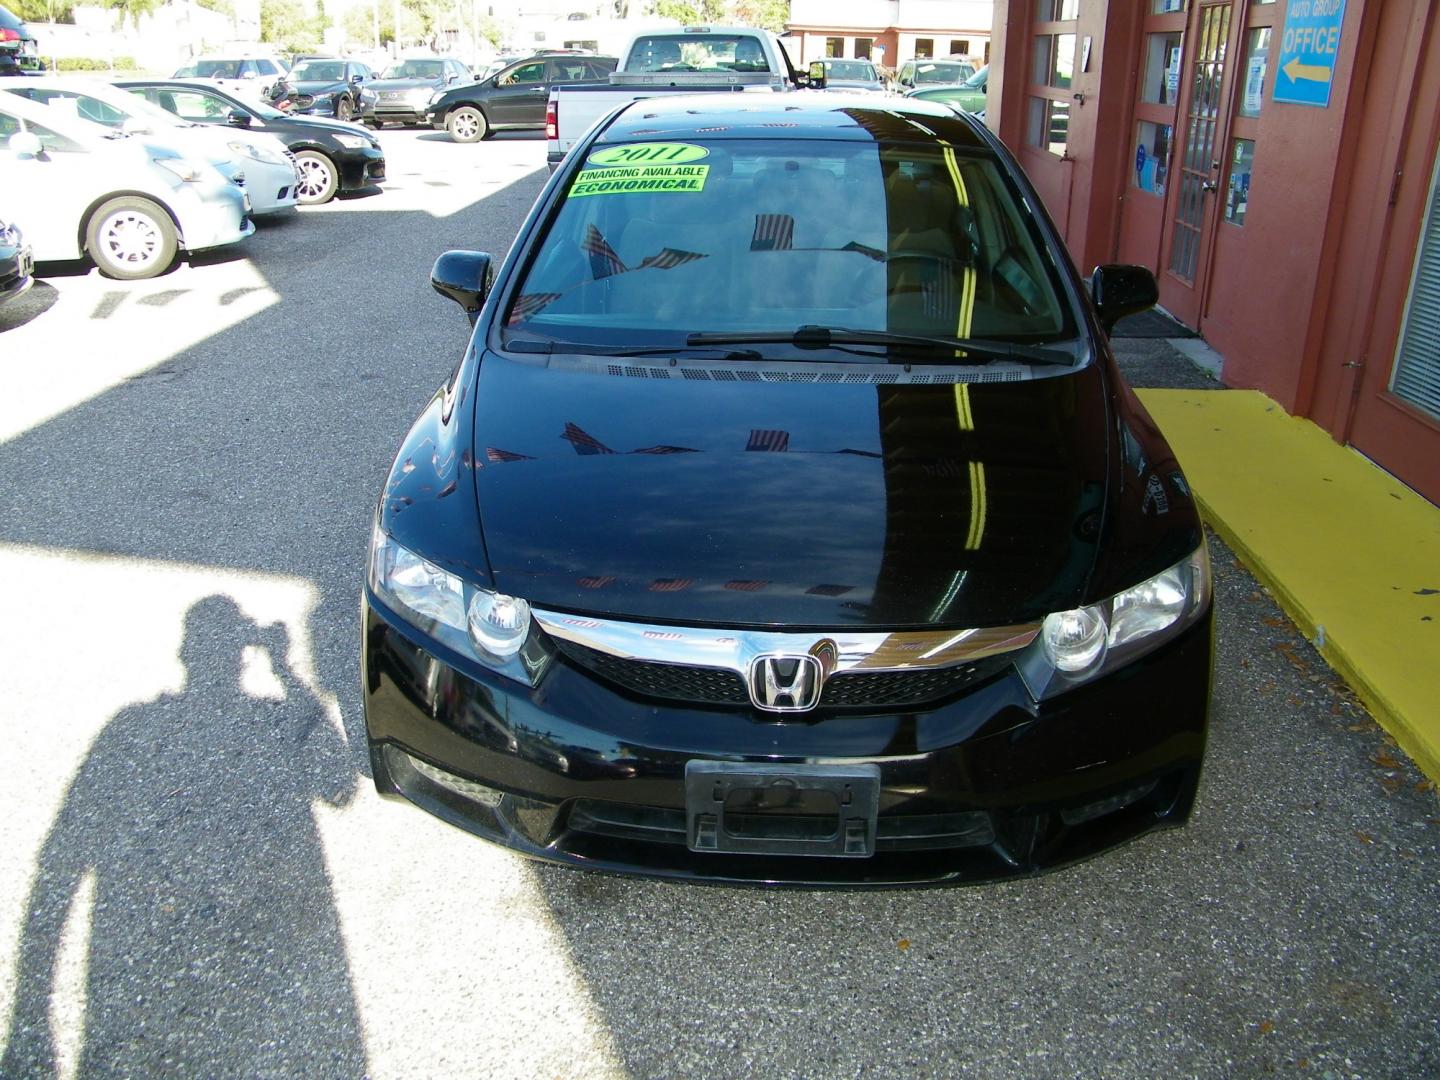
pixel 318 178
pixel 343 109
pixel 467 124
pixel 131 238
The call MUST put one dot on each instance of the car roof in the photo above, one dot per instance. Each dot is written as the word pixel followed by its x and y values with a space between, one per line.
pixel 75 127
pixel 794 116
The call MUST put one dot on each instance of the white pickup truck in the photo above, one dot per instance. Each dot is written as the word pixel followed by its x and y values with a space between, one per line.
pixel 688 60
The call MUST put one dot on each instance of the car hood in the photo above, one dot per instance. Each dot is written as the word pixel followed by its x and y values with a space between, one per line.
pixel 704 499
pixel 401 84
pixel 319 86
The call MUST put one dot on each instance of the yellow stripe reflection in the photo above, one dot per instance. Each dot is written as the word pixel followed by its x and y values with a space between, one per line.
pixel 967 287
pixel 962 407
pixel 977 506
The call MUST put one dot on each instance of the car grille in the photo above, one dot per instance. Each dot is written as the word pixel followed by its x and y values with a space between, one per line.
pixel 393 95
pixel 294 162
pixel 845 690
pixel 304 101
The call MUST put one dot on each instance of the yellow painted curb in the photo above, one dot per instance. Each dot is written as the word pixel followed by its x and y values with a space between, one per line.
pixel 1351 554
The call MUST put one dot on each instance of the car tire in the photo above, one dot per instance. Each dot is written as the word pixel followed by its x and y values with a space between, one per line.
pixel 343 109
pixel 319 179
pixel 467 124
pixel 130 238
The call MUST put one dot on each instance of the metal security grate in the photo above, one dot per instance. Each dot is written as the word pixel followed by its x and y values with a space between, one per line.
pixel 1417 364
pixel 675 682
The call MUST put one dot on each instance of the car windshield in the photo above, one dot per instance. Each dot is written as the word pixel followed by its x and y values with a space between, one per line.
pixel 414 69
pixel 318 71
pixel 656 241
pixel 713 52
pixel 849 69
pixel 941 73
pixel 217 69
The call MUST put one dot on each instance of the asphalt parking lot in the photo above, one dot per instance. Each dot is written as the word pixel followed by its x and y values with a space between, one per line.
pixel 196 877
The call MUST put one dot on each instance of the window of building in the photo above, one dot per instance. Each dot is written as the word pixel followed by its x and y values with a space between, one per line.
pixel 1257 57
pixel 959 46
pixel 1152 156
pixel 862 47
pixel 1162 68
pixel 1054 47
pixel 1416 378
pixel 1166 7
pixel 834 46
pixel 924 47
pixel 1237 193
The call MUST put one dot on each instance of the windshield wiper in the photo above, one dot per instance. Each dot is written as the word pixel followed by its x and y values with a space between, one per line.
pixel 824 337
pixel 550 345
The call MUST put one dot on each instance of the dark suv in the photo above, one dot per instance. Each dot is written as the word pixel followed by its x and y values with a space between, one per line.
pixel 18 48
pixel 405 89
pixel 513 97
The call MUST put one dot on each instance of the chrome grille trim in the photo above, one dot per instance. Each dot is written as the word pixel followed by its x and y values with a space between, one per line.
pixel 736 650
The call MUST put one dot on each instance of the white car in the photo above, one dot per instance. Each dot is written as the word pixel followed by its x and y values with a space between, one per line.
pixel 127 203
pixel 249 77
pixel 271 178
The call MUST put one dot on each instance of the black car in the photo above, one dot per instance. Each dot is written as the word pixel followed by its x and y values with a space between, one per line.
pixel 513 97
pixel 405 89
pixel 19 51
pixel 788 520
pixel 323 87
pixel 17 265
pixel 330 157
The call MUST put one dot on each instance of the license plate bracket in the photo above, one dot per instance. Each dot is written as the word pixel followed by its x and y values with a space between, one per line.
pixel 760 809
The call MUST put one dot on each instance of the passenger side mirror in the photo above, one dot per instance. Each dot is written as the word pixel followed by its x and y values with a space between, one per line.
pixel 236 118
pixel 463 276
pixel 26 144
pixel 816 79
pixel 133 125
pixel 1119 290
pixel 356 79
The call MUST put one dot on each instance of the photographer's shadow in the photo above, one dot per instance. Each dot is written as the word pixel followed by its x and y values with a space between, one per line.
pixel 214 943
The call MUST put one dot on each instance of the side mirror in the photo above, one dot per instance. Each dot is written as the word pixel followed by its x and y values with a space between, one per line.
pixel 1119 290
pixel 463 276
pixel 816 80
pixel 133 125
pixel 26 144
pixel 356 79
pixel 236 118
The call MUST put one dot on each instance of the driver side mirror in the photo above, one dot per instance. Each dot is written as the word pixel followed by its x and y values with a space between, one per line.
pixel 355 80
pixel 26 144
pixel 236 118
pixel 816 80
pixel 463 276
pixel 1119 290
pixel 133 125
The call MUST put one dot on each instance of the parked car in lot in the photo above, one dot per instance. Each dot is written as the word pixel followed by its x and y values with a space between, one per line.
pixel 788 520
pixel 129 204
pixel 513 98
pixel 268 167
pixel 249 77
pixel 404 89
pixel 18 46
pixel 969 95
pixel 17 264
pixel 924 72
pixel 326 88
pixel 332 157
pixel 846 75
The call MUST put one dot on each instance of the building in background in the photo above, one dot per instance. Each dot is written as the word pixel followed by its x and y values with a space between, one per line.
pixel 889 32
pixel 1277 164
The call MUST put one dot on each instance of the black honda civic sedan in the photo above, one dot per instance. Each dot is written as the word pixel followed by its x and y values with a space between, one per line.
pixel 787 520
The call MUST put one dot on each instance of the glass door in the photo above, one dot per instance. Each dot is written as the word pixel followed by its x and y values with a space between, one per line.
pixel 1204 122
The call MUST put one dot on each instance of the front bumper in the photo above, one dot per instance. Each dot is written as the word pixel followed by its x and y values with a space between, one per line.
pixel 212 215
pixel 16 272
pixel 271 186
pixel 360 168
pixel 397 112
pixel 985 785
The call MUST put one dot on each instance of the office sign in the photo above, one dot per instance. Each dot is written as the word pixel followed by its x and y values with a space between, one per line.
pixel 1309 46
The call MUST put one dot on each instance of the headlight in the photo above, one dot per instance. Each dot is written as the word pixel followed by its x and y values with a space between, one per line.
pixel 323 99
pixel 490 628
pixel 258 153
pixel 353 142
pixel 420 94
pixel 1076 646
pixel 187 170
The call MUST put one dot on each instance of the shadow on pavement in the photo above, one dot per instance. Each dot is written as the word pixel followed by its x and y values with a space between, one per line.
pixel 192 898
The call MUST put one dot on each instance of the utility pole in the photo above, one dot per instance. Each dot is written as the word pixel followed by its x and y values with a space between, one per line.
pixel 395 44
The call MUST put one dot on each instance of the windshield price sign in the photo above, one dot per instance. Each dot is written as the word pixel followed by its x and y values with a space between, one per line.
pixel 1308 50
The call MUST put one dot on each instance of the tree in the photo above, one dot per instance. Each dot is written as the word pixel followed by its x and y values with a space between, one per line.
pixel 132 9
pixel 692 12
pixel 769 15
pixel 285 22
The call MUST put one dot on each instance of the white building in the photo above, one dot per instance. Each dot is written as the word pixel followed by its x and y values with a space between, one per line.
pixel 891 31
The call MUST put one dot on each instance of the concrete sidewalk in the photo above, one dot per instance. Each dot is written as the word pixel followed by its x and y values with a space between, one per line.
pixel 1350 553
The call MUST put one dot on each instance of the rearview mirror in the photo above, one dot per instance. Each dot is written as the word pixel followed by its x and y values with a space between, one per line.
pixel 236 118
pixel 26 144
pixel 1119 290
pixel 463 276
